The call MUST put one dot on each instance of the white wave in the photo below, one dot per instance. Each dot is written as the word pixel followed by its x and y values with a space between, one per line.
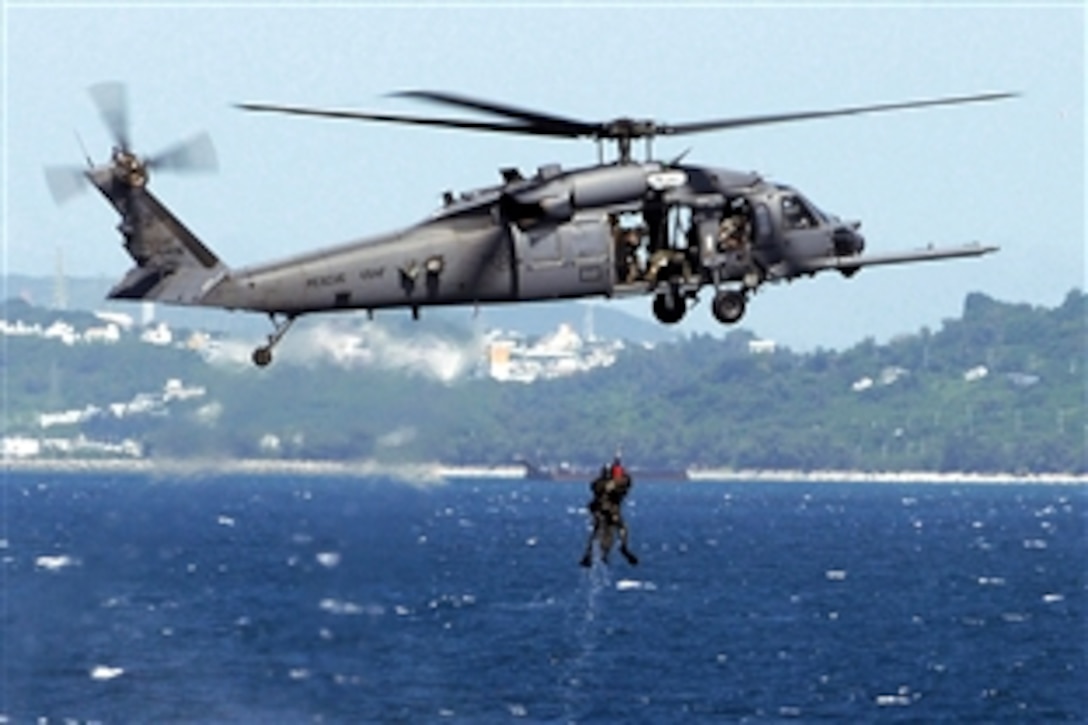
pixel 339 606
pixel 224 520
pixel 1053 598
pixel 55 563
pixel 901 698
pixel 328 559
pixel 835 575
pixel 626 585
pixel 103 673
pixel 456 601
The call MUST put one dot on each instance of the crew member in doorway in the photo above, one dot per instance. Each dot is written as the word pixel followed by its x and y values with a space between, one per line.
pixel 735 230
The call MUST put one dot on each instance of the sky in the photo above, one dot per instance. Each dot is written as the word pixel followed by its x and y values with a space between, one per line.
pixel 1010 173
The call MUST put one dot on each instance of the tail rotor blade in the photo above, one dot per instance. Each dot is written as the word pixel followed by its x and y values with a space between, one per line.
pixel 194 154
pixel 112 103
pixel 65 182
pixel 126 169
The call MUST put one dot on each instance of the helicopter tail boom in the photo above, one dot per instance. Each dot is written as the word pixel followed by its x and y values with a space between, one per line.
pixel 172 265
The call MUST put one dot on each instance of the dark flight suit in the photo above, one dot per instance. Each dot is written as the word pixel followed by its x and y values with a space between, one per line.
pixel 608 495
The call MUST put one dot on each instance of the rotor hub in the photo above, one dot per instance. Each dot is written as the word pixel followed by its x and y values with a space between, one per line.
pixel 128 168
pixel 628 128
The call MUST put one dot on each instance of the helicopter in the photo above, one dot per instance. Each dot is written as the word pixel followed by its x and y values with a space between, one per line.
pixel 618 228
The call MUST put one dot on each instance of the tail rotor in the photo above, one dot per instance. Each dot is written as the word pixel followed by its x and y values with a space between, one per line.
pixel 193 155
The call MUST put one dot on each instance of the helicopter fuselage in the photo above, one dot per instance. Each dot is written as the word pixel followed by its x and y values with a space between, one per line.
pixel 617 229
pixel 612 230
pixel 608 231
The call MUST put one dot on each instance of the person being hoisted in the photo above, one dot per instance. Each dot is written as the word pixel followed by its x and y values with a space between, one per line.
pixel 609 489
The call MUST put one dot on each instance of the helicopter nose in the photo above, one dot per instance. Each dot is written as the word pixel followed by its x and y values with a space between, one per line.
pixel 847 241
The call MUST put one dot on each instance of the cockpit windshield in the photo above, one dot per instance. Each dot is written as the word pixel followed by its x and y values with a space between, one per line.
pixel 798 213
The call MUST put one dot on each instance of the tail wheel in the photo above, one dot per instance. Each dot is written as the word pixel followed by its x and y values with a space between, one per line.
pixel 262 356
pixel 669 308
pixel 729 306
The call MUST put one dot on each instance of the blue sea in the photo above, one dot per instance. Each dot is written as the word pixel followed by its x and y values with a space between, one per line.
pixel 273 598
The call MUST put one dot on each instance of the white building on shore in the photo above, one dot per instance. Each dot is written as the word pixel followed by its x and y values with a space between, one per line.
pixel 513 358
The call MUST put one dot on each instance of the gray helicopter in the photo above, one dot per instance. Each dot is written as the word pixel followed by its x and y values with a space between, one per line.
pixel 614 229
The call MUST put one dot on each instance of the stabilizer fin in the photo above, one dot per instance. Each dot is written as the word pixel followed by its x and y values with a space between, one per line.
pixel 172 265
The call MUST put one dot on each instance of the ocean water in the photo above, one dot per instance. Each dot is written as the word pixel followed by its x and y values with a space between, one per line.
pixel 274 598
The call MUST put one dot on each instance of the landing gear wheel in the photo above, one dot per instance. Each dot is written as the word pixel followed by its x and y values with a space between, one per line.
pixel 729 306
pixel 669 308
pixel 262 356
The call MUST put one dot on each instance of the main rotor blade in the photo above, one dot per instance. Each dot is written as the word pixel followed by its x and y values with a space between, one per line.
pixel 700 126
pixel 414 120
pixel 545 122
pixel 193 154
pixel 110 97
pixel 65 182
pixel 542 124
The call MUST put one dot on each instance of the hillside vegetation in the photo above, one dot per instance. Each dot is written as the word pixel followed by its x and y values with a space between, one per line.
pixel 1002 388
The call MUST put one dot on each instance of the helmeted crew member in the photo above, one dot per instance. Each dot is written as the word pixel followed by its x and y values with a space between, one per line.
pixel 609 489
pixel 617 471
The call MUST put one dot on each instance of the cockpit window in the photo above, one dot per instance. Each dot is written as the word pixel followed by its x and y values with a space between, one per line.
pixel 796 214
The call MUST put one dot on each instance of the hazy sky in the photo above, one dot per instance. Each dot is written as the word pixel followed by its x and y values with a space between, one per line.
pixel 1010 173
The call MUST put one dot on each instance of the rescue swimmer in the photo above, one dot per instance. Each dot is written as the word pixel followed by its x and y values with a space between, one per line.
pixel 609 489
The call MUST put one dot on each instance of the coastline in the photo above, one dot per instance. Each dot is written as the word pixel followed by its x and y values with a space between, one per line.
pixel 431 473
